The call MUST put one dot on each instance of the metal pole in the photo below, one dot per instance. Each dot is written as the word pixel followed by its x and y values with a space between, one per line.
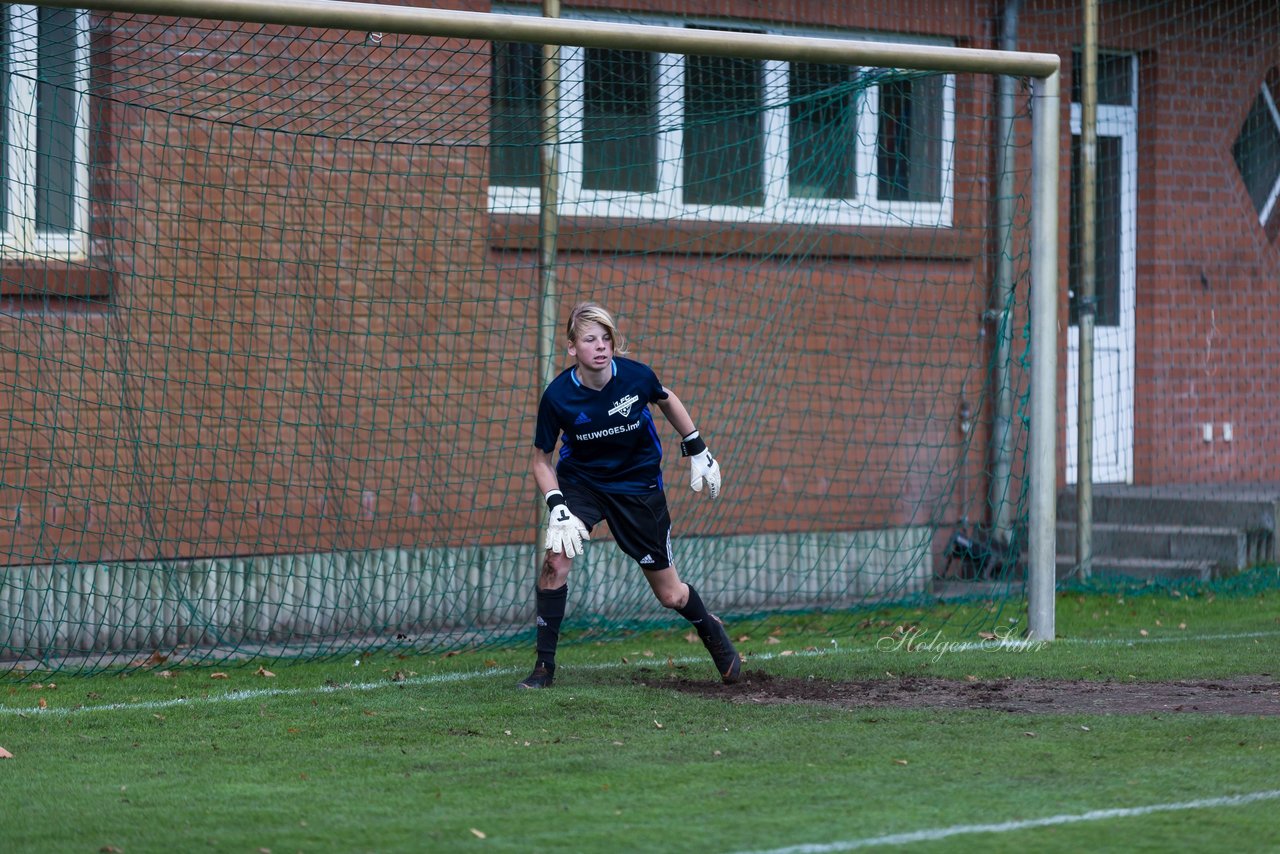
pixel 1086 299
pixel 377 17
pixel 998 497
pixel 548 211
pixel 1042 465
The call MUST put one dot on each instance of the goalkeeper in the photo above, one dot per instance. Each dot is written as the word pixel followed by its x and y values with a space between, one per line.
pixel 610 469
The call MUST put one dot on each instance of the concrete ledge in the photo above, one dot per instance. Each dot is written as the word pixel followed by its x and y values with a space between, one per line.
pixel 1227 547
pixel 1141 569
pixel 326 600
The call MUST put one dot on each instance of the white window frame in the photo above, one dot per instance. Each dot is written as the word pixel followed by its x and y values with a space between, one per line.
pixel 18 234
pixel 667 203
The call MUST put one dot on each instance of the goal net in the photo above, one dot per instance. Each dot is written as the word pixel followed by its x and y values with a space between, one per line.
pixel 281 301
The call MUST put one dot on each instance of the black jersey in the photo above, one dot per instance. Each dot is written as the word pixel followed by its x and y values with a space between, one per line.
pixel 607 437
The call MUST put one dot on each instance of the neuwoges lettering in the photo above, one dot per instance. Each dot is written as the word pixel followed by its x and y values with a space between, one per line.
pixel 612 431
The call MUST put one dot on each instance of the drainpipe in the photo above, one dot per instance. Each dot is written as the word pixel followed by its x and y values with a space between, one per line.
pixel 999 499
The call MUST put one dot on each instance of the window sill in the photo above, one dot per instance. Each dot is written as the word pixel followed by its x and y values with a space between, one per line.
pixel 519 232
pixel 52 279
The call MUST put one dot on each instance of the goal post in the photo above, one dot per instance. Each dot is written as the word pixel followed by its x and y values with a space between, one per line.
pixel 227 556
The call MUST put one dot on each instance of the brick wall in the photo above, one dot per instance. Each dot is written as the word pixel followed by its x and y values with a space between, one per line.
pixel 1206 268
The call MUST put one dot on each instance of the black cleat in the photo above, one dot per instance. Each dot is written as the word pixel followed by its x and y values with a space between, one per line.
pixel 541 677
pixel 726 658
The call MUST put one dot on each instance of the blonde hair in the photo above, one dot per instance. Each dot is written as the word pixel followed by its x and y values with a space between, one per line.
pixel 590 312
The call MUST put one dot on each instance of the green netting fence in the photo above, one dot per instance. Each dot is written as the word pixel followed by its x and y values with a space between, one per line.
pixel 274 298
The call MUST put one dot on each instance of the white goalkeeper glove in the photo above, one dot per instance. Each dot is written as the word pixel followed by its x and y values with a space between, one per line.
pixel 703 469
pixel 565 531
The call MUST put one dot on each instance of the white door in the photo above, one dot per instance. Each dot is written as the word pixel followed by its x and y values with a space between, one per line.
pixel 1113 353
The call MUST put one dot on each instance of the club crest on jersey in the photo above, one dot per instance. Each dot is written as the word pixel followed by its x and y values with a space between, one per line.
pixel 623 407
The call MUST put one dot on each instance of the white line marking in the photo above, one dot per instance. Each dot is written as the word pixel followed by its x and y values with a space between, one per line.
pixel 259 694
pixel 936 833
pixel 440 678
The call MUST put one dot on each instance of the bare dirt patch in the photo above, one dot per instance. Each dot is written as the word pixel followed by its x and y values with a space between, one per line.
pixel 1243 695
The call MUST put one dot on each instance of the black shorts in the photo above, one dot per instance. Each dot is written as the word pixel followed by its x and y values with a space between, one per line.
pixel 640 524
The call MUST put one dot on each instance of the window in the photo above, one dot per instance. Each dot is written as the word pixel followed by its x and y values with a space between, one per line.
pixel 909 141
pixel 43 132
pixel 725 139
pixel 1108 229
pixel 1116 129
pixel 1116 78
pixel 619 122
pixel 1257 152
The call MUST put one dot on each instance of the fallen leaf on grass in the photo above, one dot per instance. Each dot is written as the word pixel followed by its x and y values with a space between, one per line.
pixel 658 725
pixel 478 834
pixel 219 675
pixel 167 674
pixel 692 637
pixel 899 762
pixel 987 635
pixel 110 849
pixel 264 673
pixel 1142 632
pixel 42 703
pixel 1029 734
pixel 771 640
pixel 4 754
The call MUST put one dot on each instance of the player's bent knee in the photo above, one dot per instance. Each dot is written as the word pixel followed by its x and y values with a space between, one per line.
pixel 555 566
pixel 670 599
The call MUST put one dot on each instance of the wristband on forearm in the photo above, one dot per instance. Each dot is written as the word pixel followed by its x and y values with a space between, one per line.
pixel 692 444
pixel 553 498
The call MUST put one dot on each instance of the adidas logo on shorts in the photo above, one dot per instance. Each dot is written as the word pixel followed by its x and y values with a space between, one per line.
pixel 646 559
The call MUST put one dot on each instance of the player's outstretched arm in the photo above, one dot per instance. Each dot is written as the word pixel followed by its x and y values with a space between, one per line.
pixel 703 468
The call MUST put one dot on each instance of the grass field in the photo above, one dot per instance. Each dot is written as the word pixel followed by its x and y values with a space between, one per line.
pixel 440 753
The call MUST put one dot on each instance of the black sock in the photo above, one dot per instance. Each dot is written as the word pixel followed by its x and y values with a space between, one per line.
pixel 550 608
pixel 694 611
